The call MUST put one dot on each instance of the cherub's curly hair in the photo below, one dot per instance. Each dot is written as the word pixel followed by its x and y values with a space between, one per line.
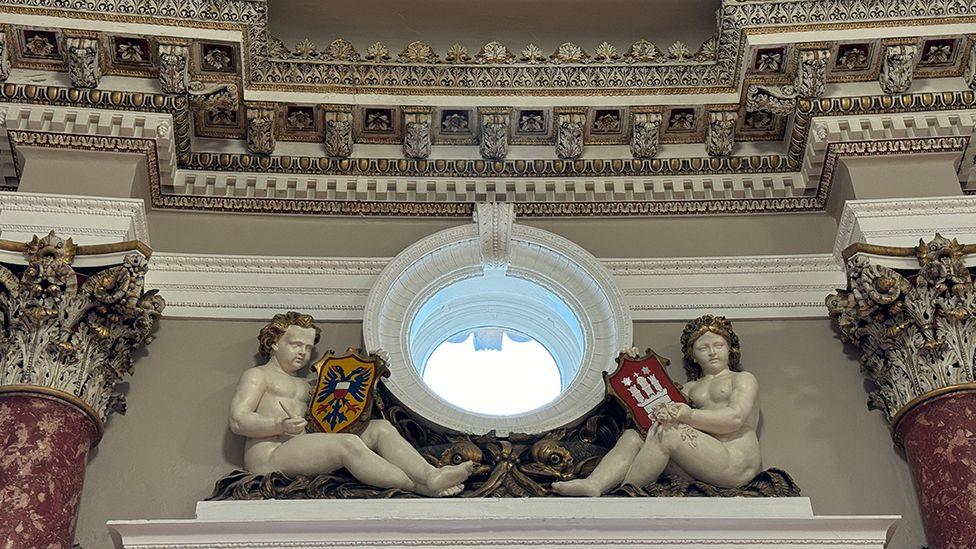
pixel 272 331
pixel 717 325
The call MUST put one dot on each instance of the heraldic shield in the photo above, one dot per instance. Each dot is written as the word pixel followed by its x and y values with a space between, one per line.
pixel 641 385
pixel 343 398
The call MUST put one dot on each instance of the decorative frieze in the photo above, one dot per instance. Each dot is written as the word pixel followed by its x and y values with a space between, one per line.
pixel 811 73
pixel 897 68
pixel 70 332
pixel 416 132
pixel 646 136
pixel 84 68
pixel 173 62
pixel 338 131
pixel 721 131
pixel 917 333
pixel 569 133
pixel 4 56
pixel 260 128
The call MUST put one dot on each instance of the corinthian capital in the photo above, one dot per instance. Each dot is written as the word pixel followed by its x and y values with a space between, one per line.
pixel 916 331
pixel 73 332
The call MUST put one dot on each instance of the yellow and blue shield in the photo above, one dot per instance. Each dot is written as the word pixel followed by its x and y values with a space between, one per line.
pixel 343 398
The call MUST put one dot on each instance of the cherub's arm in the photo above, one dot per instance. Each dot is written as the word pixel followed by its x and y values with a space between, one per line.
pixel 722 421
pixel 244 420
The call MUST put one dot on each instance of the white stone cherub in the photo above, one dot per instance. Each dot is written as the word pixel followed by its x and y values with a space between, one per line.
pixel 714 442
pixel 269 408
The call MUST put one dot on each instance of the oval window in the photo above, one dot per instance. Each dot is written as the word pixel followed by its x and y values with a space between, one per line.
pixel 493 371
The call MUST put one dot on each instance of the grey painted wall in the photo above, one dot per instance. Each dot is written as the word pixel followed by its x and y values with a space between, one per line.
pixel 166 452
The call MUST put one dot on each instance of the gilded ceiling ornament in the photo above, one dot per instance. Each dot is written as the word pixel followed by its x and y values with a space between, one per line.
pixel 532 54
pixel 300 121
pixel 682 121
pixel 416 139
pixel 218 59
pixel 38 45
pixel 970 74
pixel 779 100
pixel 71 337
pixel 531 123
pixel 340 50
pixel 811 74
pixel 457 54
pixel 679 51
pixel 642 51
pixel 131 52
pixel 260 130
pixel 606 53
pixel 607 123
pixel 708 50
pixel 938 54
pixel 277 48
pixel 568 52
pixel 916 334
pixel 646 135
pixel 495 52
pixel 898 68
pixel 758 120
pixel 218 102
pixel 569 136
pixel 304 50
pixel 84 68
pixel 454 123
pixel 418 52
pixel 769 62
pixel 494 140
pixel 378 122
pixel 378 52
pixel 338 138
pixel 853 59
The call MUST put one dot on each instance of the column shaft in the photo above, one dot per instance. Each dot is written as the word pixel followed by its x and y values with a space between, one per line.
pixel 44 443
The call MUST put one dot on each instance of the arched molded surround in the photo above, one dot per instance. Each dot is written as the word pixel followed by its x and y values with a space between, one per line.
pixel 538 261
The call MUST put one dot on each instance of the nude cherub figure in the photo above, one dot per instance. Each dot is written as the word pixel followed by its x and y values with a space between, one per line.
pixel 269 408
pixel 714 442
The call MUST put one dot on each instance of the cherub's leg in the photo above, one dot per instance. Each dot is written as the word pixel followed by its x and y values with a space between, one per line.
pixel 652 458
pixel 608 473
pixel 697 453
pixel 382 437
pixel 317 453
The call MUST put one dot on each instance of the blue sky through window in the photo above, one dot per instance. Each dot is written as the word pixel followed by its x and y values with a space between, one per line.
pixel 505 375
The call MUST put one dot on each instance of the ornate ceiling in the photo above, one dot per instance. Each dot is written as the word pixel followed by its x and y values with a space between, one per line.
pixel 258 107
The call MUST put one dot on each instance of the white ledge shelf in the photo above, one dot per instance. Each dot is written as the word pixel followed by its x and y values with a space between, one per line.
pixel 552 522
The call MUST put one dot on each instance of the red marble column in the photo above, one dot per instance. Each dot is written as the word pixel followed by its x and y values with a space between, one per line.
pixel 939 436
pixel 44 443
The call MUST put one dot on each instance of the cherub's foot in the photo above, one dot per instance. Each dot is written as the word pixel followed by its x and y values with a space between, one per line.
pixel 449 476
pixel 445 493
pixel 579 487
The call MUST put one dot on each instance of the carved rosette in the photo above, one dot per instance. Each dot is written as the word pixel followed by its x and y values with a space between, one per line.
pixel 646 137
pixel 898 68
pixel 74 334
pixel 811 74
pixel 4 56
pixel 917 335
pixel 173 68
pixel 83 65
pixel 721 132
pixel 569 135
pixel 260 129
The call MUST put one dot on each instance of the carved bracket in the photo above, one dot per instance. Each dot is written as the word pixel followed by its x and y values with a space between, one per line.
pixel 646 136
pixel 569 133
pixel 4 56
pixel 811 74
pixel 173 67
pixel 260 128
pixel 721 132
pixel 898 68
pixel 495 221
pixel 338 131
pixel 494 133
pixel 70 332
pixel 84 68
pixel 917 334
pixel 416 134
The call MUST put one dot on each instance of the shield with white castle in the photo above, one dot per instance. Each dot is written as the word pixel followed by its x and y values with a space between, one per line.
pixel 641 385
pixel 342 401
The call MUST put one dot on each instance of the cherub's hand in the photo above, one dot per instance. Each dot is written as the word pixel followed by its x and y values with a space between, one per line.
pixel 672 412
pixel 293 425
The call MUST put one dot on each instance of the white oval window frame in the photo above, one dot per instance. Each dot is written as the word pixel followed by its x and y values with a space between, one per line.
pixel 495 242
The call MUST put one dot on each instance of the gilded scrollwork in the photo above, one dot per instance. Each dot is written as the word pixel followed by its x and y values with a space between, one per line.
pixel 173 62
pixel 72 332
pixel 898 68
pixel 916 334
pixel 83 62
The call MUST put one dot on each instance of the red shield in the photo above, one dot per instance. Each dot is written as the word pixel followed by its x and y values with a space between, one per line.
pixel 641 384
